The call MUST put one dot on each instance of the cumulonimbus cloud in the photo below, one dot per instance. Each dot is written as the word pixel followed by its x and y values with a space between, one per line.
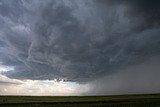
pixel 76 40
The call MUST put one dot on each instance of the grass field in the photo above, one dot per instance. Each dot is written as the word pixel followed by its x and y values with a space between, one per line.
pixel 151 100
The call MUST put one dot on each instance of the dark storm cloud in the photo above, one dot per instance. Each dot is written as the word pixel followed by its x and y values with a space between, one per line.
pixel 144 13
pixel 142 78
pixel 76 40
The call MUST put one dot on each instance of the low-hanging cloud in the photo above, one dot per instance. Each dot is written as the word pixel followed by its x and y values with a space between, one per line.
pixel 137 79
pixel 78 40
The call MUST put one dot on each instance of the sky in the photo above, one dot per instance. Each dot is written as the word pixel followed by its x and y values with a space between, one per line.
pixel 79 47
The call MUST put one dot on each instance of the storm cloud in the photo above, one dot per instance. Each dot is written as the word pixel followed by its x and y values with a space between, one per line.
pixel 138 79
pixel 79 41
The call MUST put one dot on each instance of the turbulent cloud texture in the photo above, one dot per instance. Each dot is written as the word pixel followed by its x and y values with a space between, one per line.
pixel 77 40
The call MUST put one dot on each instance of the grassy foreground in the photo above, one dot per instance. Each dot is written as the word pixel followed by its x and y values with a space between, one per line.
pixel 151 100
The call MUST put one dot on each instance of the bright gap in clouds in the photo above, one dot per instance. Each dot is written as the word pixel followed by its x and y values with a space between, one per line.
pixel 40 87
pixel 10 86
pixel 4 68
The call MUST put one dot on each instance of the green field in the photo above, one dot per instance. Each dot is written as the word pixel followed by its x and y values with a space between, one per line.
pixel 151 100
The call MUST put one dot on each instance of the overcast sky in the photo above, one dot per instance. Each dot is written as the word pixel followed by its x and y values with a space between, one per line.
pixel 79 47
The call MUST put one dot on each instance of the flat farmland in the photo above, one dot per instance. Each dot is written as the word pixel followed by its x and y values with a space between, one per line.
pixel 149 100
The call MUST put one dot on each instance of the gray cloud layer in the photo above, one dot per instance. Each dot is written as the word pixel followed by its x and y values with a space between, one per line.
pixel 142 78
pixel 76 40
